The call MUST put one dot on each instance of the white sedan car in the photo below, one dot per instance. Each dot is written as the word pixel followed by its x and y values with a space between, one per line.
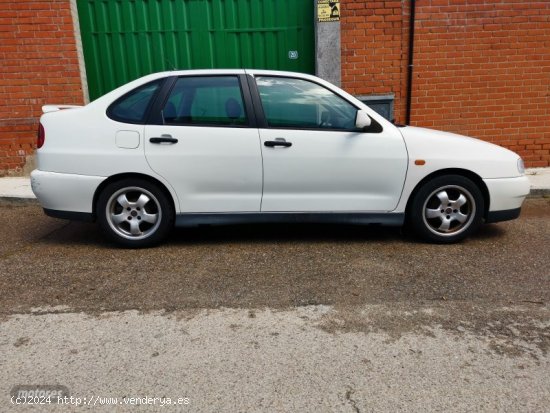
pixel 197 147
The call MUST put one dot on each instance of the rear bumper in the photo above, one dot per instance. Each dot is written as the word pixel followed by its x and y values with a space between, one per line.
pixel 65 192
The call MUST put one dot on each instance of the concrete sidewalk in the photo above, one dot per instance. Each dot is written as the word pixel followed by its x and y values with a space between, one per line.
pixel 540 181
pixel 19 188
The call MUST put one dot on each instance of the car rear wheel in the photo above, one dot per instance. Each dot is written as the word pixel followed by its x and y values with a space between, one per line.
pixel 447 209
pixel 134 213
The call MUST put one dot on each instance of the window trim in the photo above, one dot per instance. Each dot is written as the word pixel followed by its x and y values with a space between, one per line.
pixel 262 118
pixel 156 116
pixel 146 113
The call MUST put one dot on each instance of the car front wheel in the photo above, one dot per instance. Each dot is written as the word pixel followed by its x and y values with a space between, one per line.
pixel 447 209
pixel 134 213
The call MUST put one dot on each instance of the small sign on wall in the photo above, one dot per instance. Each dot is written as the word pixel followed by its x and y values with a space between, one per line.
pixel 328 11
pixel 293 54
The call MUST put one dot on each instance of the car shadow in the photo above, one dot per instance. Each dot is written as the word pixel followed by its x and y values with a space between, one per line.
pixel 86 234
pixel 489 231
pixel 269 233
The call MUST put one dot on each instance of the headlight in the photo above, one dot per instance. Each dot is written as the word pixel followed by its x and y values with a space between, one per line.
pixel 521 166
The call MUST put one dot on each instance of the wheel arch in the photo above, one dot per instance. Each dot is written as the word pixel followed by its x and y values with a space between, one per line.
pixel 129 175
pixel 475 178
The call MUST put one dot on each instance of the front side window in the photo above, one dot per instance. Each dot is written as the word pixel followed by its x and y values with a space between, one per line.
pixel 298 103
pixel 132 107
pixel 205 100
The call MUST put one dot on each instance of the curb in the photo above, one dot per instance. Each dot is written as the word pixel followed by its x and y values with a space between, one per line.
pixel 17 201
pixel 539 193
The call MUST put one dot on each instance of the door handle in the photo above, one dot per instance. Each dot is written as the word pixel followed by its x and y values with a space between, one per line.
pixel 163 139
pixel 278 142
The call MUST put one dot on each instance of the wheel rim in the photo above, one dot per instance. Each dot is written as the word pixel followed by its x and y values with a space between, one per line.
pixel 449 210
pixel 133 213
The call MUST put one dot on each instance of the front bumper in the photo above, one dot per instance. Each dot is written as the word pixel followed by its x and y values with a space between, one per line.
pixel 65 192
pixel 498 216
pixel 507 193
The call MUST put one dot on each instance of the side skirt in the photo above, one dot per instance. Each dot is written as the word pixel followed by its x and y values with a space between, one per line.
pixel 354 218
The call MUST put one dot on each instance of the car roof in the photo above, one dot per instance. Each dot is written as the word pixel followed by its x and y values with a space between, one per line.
pixel 264 72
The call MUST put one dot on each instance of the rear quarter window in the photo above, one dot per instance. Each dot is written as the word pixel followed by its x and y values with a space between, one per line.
pixel 133 107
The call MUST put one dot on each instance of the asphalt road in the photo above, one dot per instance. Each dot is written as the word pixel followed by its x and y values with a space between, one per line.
pixel 280 318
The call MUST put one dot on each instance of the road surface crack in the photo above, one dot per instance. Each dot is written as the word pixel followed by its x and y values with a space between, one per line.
pixel 352 402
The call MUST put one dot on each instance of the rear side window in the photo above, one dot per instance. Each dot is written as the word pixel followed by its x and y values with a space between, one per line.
pixel 205 100
pixel 133 106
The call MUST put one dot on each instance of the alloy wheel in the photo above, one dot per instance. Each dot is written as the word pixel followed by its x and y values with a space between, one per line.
pixel 133 213
pixel 449 210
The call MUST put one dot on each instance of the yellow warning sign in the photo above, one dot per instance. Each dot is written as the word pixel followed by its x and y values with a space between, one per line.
pixel 328 11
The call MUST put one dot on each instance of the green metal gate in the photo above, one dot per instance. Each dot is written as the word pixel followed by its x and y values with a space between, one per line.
pixel 126 39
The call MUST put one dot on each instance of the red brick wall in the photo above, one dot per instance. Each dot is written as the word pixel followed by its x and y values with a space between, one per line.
pixel 481 67
pixel 374 38
pixel 38 65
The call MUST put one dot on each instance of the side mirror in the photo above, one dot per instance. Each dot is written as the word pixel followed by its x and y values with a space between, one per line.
pixel 362 120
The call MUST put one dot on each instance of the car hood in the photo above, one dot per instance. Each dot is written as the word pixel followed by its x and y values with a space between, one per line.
pixel 443 150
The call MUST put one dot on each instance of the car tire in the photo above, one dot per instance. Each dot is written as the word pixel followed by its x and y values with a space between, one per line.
pixel 135 213
pixel 446 209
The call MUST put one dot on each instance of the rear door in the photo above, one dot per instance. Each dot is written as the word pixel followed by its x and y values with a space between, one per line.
pixel 206 145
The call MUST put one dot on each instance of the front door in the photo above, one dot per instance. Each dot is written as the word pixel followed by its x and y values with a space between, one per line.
pixel 206 147
pixel 314 158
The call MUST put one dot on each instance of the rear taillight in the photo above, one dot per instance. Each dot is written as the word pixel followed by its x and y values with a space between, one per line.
pixel 41 136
